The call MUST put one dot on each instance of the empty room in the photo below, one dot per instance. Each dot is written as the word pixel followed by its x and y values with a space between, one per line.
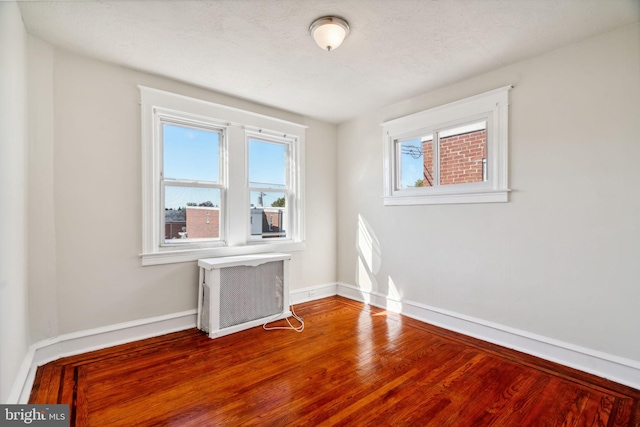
pixel 358 212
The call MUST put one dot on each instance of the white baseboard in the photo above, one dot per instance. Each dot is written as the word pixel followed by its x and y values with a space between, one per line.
pixel 85 341
pixel 618 369
pixel 615 368
pixel 80 342
pixel 311 293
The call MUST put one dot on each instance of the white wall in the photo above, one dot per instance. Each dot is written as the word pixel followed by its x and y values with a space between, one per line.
pixel 14 321
pixel 43 292
pixel 561 259
pixel 92 192
pixel 318 264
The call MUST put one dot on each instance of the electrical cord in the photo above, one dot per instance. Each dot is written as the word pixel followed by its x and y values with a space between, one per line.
pixel 299 328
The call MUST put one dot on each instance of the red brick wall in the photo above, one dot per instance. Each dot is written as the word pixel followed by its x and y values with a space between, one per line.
pixel 427 152
pixel 273 218
pixel 197 226
pixel 460 157
pixel 172 229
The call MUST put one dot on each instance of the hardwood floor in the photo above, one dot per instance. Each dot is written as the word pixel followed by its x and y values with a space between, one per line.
pixel 354 365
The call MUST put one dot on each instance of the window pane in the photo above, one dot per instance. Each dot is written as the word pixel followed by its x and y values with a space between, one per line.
pixel 191 213
pixel 268 215
pixel 416 162
pixel 190 153
pixel 267 164
pixel 463 154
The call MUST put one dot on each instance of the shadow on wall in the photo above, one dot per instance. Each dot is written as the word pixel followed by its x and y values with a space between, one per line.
pixel 369 261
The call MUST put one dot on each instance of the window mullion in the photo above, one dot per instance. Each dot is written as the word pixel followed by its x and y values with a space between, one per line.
pixel 436 159
pixel 161 215
pixel 397 167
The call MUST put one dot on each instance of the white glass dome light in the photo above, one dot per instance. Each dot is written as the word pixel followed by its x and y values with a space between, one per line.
pixel 329 32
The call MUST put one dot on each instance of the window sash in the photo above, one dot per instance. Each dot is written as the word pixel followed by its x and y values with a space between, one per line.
pixel 220 240
pixel 434 169
pixel 188 121
pixel 286 190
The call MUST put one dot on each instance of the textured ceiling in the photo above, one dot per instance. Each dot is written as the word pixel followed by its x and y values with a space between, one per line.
pixel 260 50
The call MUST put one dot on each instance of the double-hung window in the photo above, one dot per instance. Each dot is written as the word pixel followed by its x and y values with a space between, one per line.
pixel 455 153
pixel 203 164
pixel 192 187
pixel 269 183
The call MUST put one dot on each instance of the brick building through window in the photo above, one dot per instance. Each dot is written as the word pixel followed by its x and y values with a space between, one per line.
pixel 192 222
pixel 462 158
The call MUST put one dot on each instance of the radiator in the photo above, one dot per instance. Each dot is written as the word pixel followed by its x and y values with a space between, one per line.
pixel 241 292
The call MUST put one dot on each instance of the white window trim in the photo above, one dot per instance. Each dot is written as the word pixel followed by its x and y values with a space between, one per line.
pixel 235 123
pixel 492 105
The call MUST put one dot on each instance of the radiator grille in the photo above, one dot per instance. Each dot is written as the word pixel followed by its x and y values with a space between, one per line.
pixel 249 293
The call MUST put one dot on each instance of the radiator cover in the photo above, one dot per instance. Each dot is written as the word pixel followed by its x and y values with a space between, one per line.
pixel 240 292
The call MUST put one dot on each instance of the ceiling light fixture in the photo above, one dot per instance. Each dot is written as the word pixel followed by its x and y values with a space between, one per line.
pixel 329 32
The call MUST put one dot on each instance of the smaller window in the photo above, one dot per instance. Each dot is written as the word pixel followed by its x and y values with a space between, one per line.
pixel 456 153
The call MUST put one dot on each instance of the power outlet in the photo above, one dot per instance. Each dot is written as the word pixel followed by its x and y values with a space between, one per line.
pixel 312 294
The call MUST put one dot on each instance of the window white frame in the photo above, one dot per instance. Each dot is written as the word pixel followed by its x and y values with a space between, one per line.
pixel 292 188
pixel 235 125
pixel 160 117
pixel 492 106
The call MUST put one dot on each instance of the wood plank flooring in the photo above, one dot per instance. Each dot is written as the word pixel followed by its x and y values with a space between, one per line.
pixel 354 365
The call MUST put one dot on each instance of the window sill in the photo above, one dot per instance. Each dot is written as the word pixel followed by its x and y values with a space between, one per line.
pixel 486 196
pixel 172 257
